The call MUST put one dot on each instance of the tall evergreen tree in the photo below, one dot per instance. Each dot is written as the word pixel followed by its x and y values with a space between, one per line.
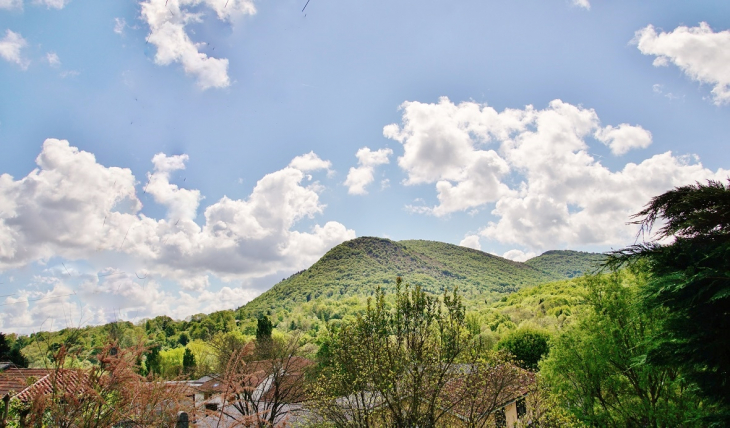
pixel 188 361
pixel 689 262
pixel 153 363
pixel 264 327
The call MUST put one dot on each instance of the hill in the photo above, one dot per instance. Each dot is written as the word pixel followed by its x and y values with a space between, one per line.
pixel 566 263
pixel 355 268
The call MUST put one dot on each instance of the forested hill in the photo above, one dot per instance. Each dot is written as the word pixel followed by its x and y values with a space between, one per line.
pixel 566 263
pixel 357 267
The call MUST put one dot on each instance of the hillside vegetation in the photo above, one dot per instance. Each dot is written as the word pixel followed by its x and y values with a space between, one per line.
pixel 356 268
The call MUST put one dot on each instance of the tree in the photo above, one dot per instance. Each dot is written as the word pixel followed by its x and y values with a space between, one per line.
pixel 188 361
pixel 527 345
pixel 228 347
pixel 398 361
pixel 264 327
pixel 689 265
pixel 153 361
pixel 263 393
pixel 10 351
pixel 184 339
pixel 4 347
pixel 598 367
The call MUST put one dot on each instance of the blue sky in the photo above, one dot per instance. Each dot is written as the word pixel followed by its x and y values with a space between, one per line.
pixel 181 156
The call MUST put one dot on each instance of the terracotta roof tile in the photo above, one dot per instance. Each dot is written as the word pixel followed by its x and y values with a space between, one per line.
pixel 64 379
pixel 14 380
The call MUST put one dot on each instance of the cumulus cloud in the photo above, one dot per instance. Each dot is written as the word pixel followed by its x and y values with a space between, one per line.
pixel 518 255
pixel 585 4
pixel 359 177
pixel 10 49
pixel 702 54
pixel 310 162
pixel 623 138
pixel 471 241
pixel 107 296
pixel 52 4
pixel 167 20
pixel 77 209
pixel 534 165
pixel 11 4
pixel 443 144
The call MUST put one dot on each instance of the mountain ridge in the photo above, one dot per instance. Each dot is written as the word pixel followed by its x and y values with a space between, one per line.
pixel 358 266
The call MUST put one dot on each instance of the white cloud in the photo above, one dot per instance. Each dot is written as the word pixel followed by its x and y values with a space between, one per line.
pixel 108 296
pixel 52 4
pixel 10 47
pixel 11 4
pixel 518 255
pixel 310 162
pixel 548 191
pixel 74 208
pixel 624 138
pixel 180 203
pixel 585 4
pixel 119 25
pixel 53 59
pixel 358 178
pixel 699 52
pixel 471 241
pixel 167 20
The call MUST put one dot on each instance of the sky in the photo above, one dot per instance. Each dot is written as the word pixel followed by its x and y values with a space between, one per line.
pixel 175 157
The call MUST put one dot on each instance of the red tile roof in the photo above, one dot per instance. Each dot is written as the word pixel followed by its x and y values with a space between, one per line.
pixel 15 380
pixel 57 380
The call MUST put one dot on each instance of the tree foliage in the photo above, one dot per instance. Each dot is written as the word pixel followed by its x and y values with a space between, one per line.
pixel 10 350
pixel 264 393
pixel 527 345
pixel 689 262
pixel 598 365
pixel 411 365
pixel 188 361
pixel 264 327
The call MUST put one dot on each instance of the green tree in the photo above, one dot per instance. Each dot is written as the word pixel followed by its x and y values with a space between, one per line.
pixel 399 360
pixel 598 366
pixel 10 351
pixel 264 327
pixel 527 345
pixel 188 361
pixel 153 360
pixel 184 339
pixel 689 265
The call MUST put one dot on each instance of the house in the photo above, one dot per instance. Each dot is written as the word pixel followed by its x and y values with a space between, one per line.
pixel 259 388
pixel 473 396
pixel 26 384
pixel 14 380
pixel 499 394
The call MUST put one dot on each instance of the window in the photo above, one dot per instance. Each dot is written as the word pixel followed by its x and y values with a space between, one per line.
pixel 521 407
pixel 500 419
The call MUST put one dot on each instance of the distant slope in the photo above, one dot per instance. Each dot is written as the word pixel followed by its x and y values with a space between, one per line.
pixel 357 267
pixel 566 263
